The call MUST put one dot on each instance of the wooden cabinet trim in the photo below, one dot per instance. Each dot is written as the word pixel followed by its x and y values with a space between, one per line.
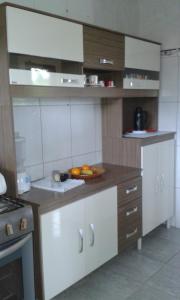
pixel 129 191
pixel 102 44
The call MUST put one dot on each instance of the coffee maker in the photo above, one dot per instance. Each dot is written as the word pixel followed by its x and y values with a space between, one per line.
pixel 140 119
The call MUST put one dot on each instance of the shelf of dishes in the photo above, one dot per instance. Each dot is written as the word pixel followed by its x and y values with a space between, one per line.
pixel 42 77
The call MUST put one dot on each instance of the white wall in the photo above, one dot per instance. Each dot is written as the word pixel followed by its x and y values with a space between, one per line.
pixel 159 20
pixel 169 111
pixel 59 133
pixel 121 15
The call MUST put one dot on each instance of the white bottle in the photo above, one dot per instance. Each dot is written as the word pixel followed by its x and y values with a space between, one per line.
pixel 23 179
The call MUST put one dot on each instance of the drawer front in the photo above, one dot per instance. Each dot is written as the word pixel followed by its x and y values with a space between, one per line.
pixel 103 49
pixel 130 213
pixel 128 235
pixel 129 190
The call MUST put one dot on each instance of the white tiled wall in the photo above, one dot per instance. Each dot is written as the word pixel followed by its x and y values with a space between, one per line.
pixel 169 112
pixel 59 133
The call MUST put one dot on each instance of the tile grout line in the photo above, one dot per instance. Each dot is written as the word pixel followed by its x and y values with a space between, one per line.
pixel 160 269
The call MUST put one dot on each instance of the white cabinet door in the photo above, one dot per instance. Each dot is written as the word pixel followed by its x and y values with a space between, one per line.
pixel 101 228
pixel 166 175
pixel 158 184
pixel 77 239
pixel 169 78
pixel 141 55
pixel 150 214
pixel 36 34
pixel 62 243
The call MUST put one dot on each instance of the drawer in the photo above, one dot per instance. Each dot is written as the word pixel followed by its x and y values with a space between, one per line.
pixel 128 235
pixel 103 49
pixel 130 213
pixel 129 190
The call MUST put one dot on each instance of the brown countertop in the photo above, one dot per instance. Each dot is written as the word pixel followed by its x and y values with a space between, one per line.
pixel 48 201
pixel 152 139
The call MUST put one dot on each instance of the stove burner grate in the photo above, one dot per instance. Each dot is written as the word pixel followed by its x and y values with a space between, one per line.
pixel 7 205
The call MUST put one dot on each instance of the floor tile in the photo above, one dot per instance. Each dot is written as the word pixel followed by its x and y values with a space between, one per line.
pixel 101 285
pixel 134 266
pixel 175 262
pixel 159 249
pixel 149 293
pixel 167 279
pixel 172 234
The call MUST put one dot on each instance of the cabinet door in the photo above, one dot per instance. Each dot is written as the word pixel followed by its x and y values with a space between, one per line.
pixel 103 49
pixel 166 177
pixel 141 55
pixel 158 184
pixel 40 35
pixel 150 189
pixel 62 246
pixel 101 228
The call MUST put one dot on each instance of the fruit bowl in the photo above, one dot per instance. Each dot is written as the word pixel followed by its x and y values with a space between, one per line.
pixel 97 172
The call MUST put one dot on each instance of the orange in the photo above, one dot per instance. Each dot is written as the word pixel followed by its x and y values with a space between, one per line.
pixel 75 171
pixel 85 167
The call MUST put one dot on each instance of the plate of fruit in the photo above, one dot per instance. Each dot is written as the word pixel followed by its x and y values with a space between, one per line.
pixel 86 172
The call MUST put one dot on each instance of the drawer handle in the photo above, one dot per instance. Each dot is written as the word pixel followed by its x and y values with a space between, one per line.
pixel 93 235
pixel 129 235
pixel 131 190
pixel 104 61
pixel 81 246
pixel 66 80
pixel 132 211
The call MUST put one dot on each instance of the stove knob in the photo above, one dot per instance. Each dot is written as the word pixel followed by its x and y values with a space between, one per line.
pixel 23 224
pixel 9 229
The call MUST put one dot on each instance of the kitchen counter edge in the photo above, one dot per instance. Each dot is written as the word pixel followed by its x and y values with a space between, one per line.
pixel 47 201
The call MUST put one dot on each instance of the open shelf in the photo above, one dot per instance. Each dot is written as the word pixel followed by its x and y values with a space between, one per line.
pixel 29 91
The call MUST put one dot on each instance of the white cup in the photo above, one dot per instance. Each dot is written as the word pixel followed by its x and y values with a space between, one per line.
pixel 101 82
pixel 93 79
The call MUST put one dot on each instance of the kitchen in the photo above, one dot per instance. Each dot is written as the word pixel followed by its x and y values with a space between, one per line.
pixel 31 113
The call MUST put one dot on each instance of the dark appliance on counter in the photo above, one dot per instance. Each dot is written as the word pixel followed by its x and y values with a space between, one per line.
pixel 16 250
pixel 140 119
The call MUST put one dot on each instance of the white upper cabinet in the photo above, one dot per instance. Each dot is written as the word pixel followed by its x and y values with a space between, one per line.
pixel 40 35
pixel 141 55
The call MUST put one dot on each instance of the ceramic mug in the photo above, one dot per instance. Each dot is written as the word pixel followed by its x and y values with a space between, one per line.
pixel 93 79
pixel 109 83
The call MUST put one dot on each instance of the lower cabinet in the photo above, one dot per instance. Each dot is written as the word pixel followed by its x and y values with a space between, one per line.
pixel 158 184
pixel 76 239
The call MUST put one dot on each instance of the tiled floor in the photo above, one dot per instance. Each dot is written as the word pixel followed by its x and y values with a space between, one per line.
pixel 151 274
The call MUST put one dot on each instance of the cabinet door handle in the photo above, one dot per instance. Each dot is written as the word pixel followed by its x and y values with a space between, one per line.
pixel 81 238
pixel 157 184
pixel 132 189
pixel 132 211
pixel 129 235
pixel 66 80
pixel 162 182
pixel 92 235
pixel 104 61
